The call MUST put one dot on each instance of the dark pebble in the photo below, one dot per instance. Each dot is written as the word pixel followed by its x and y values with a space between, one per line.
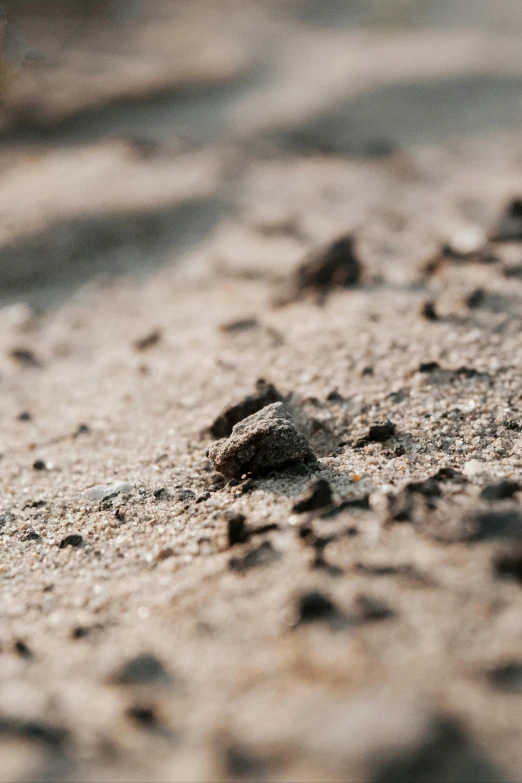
pixel 426 367
pixel 317 495
pixel 142 670
pixel 25 356
pixel 145 716
pixel 73 540
pixel 509 226
pixel 507 677
pixel 475 299
pixel 333 266
pixel 236 531
pixel 381 431
pixel 316 607
pixel 148 341
pixel 23 650
pixel 500 491
pixel 444 754
pixel 39 464
pixel 508 564
pixel 241 325
pixel 428 311
pixel 24 416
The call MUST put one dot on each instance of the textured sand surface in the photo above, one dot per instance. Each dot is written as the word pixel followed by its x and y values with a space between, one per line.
pixel 379 640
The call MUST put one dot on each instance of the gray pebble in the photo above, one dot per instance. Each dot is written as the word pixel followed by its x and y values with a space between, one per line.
pixel 267 439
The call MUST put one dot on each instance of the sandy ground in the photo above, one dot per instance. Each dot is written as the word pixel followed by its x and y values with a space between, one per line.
pixel 168 205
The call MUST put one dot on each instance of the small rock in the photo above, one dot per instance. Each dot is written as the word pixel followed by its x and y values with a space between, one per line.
pixel 240 325
pixel 428 310
pixel 475 299
pixel 333 266
pixel 149 341
pixel 184 495
pixel 236 528
pixel 509 226
pixel 427 367
pixel 500 491
pixel 317 495
pixel 24 416
pixel 265 394
pixel 146 716
pixel 39 464
pixel 443 754
pixel 381 431
pixel 268 439
pixel 508 564
pixel 83 429
pixel 73 540
pixel 142 670
pixel 25 356
pixel 263 555
pixel 104 491
pixel 507 677
pixel 23 650
pixel 314 607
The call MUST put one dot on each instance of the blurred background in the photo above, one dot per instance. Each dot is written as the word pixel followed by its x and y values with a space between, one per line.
pixel 125 136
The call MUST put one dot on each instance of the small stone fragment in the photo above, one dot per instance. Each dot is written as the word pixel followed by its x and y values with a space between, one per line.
pixel 475 299
pixel 146 716
pixel 428 310
pixel 39 464
pixel 443 753
pixel 317 495
pixel 148 341
pixel 236 528
pixel 500 491
pixel 142 670
pixel 23 650
pixel 25 357
pixel 74 540
pixel 507 677
pixel 24 416
pixel 314 607
pixel 265 394
pixel 240 325
pixel 381 431
pixel 427 367
pixel 268 439
pixel 105 491
pixel 509 226
pixel 507 564
pixel 333 266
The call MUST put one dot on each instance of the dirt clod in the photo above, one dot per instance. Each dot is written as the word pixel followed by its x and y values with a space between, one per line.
pixel 317 495
pixel 268 439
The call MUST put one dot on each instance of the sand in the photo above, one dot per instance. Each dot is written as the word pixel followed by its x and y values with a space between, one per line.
pixel 125 258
